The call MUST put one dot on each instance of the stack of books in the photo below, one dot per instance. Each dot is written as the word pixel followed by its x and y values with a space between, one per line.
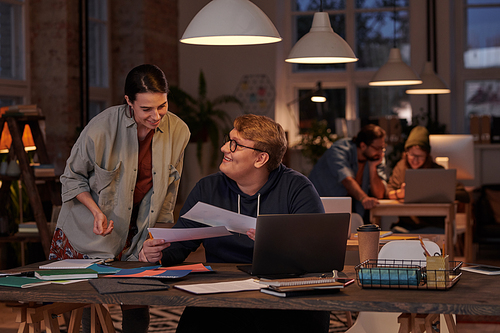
pixel 20 110
pixel 28 228
pixel 304 286
pixel 43 170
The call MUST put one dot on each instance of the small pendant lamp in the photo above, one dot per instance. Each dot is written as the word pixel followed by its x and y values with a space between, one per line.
pixel 321 45
pixel 395 72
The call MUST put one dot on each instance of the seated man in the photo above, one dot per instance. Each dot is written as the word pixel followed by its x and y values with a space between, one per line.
pixel 251 181
pixel 354 168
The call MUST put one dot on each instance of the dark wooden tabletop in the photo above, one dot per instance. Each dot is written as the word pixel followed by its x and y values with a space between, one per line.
pixel 474 294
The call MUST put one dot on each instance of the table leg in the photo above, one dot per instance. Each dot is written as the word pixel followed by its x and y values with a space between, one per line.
pixel 449 230
pixel 450 323
pixel 100 315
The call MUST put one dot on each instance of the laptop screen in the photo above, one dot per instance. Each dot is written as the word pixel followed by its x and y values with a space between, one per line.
pixel 297 244
pixel 430 185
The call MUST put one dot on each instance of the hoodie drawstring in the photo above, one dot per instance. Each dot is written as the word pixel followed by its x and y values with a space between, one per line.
pixel 258 204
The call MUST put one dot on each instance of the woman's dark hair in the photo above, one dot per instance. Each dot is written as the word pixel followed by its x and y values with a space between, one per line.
pixel 145 78
pixel 368 134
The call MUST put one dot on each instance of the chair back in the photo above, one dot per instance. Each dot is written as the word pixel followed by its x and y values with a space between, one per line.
pixel 341 205
pixel 407 250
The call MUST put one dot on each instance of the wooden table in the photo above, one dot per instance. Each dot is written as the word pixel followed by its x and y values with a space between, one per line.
pixel 474 294
pixel 396 208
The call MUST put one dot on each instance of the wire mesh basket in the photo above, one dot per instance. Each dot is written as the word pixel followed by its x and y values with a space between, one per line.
pixel 406 274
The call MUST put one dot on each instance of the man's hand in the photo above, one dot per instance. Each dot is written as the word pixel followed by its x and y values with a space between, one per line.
pixel 101 226
pixel 251 234
pixel 369 202
pixel 151 250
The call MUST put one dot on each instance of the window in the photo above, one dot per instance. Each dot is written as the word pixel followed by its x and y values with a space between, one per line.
pixel 98 57
pixel 478 72
pixel 13 69
pixel 11 41
pixel 98 43
pixel 372 28
pixel 482 48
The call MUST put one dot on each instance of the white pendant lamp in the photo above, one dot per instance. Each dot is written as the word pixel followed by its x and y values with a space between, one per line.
pixel 230 22
pixel 431 83
pixel 321 45
pixel 395 72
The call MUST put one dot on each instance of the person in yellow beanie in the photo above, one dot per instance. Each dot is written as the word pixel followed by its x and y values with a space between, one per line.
pixel 417 155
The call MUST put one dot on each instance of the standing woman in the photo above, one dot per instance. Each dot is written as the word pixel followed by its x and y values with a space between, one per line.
pixel 121 178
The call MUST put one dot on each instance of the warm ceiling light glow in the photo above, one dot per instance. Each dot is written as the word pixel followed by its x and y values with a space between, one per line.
pixel 318 99
pixel 431 83
pixel 230 22
pixel 395 72
pixel 321 45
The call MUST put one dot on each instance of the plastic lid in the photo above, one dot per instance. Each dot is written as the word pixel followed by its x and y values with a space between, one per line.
pixel 368 227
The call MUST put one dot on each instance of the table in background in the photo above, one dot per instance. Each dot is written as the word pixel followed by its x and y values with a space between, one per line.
pixel 396 208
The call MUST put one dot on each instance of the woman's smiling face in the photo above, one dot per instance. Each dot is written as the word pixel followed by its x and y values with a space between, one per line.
pixel 148 109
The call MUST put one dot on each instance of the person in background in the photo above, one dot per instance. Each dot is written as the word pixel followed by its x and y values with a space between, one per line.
pixel 417 155
pixel 252 181
pixel 122 177
pixel 354 168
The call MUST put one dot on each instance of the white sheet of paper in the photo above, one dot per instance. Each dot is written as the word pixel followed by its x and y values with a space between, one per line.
pixel 182 234
pixel 69 264
pixel 221 287
pixel 215 216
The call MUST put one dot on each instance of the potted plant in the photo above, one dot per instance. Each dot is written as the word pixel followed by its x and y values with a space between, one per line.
pixel 316 140
pixel 205 119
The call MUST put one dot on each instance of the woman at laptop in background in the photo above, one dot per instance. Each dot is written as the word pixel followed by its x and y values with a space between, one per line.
pixel 417 155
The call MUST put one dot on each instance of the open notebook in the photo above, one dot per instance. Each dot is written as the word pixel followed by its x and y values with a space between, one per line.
pixel 297 244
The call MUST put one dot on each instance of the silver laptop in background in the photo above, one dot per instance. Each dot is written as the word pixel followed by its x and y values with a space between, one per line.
pixel 289 245
pixel 430 185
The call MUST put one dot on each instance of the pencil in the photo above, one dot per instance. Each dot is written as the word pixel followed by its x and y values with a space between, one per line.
pixel 151 236
pixel 427 254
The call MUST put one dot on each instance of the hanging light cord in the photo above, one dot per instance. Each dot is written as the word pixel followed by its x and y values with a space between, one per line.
pixel 394 22
pixel 321 6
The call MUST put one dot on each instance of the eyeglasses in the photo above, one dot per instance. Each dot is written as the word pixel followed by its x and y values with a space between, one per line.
pixel 233 144
pixel 378 148
pixel 417 157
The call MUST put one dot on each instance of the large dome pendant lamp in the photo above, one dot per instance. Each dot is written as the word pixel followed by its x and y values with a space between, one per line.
pixel 230 22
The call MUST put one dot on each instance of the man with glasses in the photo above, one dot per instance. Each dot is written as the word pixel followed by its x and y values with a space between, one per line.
pixel 252 181
pixel 354 167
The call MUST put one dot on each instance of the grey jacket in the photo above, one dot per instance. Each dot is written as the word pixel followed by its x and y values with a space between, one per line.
pixel 104 161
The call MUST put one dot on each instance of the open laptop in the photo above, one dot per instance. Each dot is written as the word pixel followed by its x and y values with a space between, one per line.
pixel 430 185
pixel 297 244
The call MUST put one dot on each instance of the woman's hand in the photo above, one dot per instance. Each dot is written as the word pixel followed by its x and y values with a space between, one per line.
pixel 101 226
pixel 400 193
pixel 151 250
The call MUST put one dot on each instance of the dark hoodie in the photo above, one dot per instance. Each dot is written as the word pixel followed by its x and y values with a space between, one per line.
pixel 286 192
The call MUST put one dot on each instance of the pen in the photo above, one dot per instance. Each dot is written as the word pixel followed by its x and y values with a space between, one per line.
pixel 151 236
